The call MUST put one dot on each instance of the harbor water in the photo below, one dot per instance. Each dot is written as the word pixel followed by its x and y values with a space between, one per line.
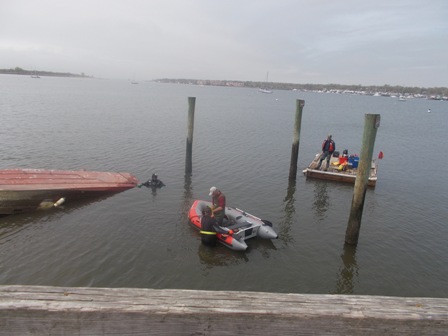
pixel 242 142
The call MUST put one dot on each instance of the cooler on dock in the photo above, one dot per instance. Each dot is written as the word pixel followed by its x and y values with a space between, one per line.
pixel 342 159
pixel 355 162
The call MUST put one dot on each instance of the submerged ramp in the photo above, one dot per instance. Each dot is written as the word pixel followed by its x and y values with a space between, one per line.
pixel 38 310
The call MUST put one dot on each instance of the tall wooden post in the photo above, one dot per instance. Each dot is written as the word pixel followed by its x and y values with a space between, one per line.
pixel 190 127
pixel 295 144
pixel 372 122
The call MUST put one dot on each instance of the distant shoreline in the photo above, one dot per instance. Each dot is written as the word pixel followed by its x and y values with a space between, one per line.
pixel 385 90
pixel 36 73
pixel 435 93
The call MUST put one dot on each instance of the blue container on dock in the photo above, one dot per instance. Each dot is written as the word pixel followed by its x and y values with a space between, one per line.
pixel 355 162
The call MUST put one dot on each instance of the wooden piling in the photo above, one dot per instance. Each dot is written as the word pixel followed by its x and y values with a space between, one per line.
pixel 190 127
pixel 296 140
pixel 41 310
pixel 371 124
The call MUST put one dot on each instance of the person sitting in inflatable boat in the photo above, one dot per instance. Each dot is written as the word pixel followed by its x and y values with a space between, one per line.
pixel 209 227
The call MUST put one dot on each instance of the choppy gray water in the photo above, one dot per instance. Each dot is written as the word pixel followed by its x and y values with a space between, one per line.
pixel 242 144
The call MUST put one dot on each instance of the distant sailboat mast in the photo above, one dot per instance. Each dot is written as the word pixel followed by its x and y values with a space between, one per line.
pixel 34 74
pixel 264 89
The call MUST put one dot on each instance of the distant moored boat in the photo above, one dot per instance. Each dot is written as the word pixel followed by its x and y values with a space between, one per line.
pixel 265 89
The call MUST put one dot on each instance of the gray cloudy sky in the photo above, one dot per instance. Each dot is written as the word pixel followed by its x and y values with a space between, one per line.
pixel 369 42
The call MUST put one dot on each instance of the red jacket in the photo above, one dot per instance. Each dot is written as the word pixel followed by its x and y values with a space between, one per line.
pixel 328 145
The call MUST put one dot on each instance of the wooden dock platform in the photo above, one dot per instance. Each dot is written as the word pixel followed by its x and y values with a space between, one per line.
pixel 333 174
pixel 37 310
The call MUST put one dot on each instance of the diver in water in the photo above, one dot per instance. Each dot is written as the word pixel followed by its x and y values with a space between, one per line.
pixel 154 182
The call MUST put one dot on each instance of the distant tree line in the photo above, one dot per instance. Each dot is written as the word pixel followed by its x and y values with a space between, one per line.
pixel 397 89
pixel 20 71
pixel 402 90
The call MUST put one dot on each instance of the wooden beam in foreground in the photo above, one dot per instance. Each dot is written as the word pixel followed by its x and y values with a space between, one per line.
pixel 36 310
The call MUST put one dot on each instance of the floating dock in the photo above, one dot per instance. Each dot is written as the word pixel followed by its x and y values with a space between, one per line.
pixel 347 173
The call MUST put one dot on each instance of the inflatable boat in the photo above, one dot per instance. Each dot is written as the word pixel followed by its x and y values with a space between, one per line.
pixel 243 225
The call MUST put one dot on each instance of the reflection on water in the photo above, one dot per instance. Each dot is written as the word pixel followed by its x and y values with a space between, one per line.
pixel 289 211
pixel 152 189
pixel 321 199
pixel 219 256
pixel 13 224
pixel 263 246
pixel 187 199
pixel 348 272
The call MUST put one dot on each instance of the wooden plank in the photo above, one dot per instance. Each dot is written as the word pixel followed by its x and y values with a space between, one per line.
pixel 36 310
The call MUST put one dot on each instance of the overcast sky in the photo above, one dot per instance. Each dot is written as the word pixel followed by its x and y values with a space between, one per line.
pixel 368 42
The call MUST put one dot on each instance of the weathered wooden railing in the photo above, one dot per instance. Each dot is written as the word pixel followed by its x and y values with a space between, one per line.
pixel 36 310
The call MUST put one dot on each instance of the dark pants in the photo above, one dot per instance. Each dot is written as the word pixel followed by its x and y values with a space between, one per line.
pixel 219 217
pixel 325 155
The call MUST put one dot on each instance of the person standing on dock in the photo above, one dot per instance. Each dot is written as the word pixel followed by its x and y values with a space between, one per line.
pixel 328 147
pixel 219 204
